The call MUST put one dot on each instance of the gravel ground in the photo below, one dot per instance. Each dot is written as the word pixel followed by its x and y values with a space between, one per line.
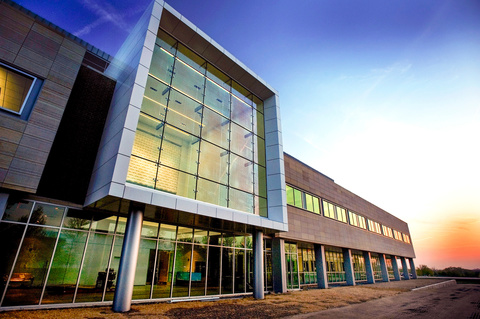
pixel 273 306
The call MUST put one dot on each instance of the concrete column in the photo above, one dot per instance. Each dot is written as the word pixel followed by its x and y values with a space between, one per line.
pixel 368 267
pixel 348 265
pixel 258 273
pixel 406 276
pixel 278 266
pixel 396 272
pixel 412 268
pixel 383 266
pixel 321 266
pixel 128 260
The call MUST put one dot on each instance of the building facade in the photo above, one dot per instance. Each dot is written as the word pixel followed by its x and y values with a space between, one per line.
pixel 159 174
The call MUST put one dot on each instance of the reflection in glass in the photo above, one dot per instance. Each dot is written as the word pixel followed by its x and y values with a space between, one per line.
pixel 184 113
pixel 12 234
pixel 199 264
pixel 217 98
pixel 239 271
pixel 63 275
pixel 242 113
pixel 240 200
pixel 77 219
pixel 17 211
pixel 213 282
pixel 95 268
pixel 104 223
pixel 215 128
pixel 141 172
pixel 227 270
pixel 164 269
pixel 213 163
pixel 162 64
pixel 113 270
pixel 241 173
pixel 44 214
pixel 179 150
pixel 260 174
pixel 144 270
pixel 183 257
pixel 241 141
pixel 28 277
pixel 175 182
pixel 149 229
pixel 188 81
pixel 155 98
pixel 200 236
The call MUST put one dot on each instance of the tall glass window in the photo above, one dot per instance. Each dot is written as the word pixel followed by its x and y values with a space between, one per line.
pixel 335 265
pixel 200 134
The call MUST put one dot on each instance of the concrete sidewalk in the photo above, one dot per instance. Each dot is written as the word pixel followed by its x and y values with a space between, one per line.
pixel 452 301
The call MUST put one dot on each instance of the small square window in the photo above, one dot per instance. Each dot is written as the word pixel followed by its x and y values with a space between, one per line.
pixel 15 88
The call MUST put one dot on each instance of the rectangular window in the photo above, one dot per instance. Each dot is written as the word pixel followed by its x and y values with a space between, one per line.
pixel 309 202
pixel 353 218
pixel 361 222
pixel 341 214
pixel 290 199
pixel 316 206
pixel 328 210
pixel 17 90
pixel 298 198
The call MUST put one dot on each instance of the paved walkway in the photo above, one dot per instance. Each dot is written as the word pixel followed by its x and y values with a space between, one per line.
pixel 457 301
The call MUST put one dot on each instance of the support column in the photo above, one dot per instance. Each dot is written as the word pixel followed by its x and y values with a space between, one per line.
pixel 128 260
pixel 321 266
pixel 383 266
pixel 278 266
pixel 348 265
pixel 368 267
pixel 396 272
pixel 406 276
pixel 258 273
pixel 412 268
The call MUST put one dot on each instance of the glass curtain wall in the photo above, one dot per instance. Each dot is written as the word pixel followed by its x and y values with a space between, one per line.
pixel 200 134
pixel 62 255
pixel 377 269
pixel 335 265
pixel 306 265
pixel 359 267
pixel 388 261
pixel 291 266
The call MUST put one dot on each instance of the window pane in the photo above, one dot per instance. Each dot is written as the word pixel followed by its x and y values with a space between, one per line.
pixel 199 272
pixel 141 172
pixel 18 211
pixel 219 77
pixel 211 192
pixel 192 59
pixel 164 269
pixel 12 234
pixel 15 87
pixel 111 277
pixel 239 271
pixel 216 128
pixel 316 205
pixel 188 81
pixel 217 98
pixel 242 113
pixel 227 270
pixel 182 270
pixel 241 173
pixel 260 180
pixel 144 270
pixel 175 182
pixel 240 200
pixel 147 138
pixel 259 150
pixel 168 232
pixel 149 229
pixel 44 214
pixel 104 223
pixel 213 281
pixel 241 141
pixel 179 150
pixel 309 202
pixel 258 124
pixel 28 277
pixel 242 93
pixel 290 198
pixel 184 234
pixel 213 163
pixel 77 219
pixel 162 64
pixel 261 206
pixel 200 236
pixel 184 113
pixel 65 267
pixel 155 98
pixel 298 198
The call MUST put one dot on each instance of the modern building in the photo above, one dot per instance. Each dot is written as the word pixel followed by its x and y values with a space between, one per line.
pixel 159 174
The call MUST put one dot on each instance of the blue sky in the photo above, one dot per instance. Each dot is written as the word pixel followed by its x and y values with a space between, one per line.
pixel 382 96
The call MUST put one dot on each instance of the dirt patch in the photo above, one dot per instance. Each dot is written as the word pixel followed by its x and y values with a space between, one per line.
pixel 273 306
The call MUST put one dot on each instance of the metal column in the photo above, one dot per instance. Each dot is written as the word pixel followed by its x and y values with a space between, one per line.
pixel 368 267
pixel 278 266
pixel 321 266
pixel 258 282
pixel 347 262
pixel 128 260
pixel 412 268
pixel 406 276
pixel 383 266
